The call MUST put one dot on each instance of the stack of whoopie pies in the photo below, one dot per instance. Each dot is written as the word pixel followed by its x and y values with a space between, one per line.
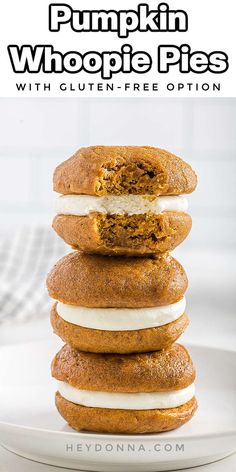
pixel 120 303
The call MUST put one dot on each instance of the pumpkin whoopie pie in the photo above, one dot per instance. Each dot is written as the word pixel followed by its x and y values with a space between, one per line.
pixel 123 200
pixel 136 393
pixel 118 305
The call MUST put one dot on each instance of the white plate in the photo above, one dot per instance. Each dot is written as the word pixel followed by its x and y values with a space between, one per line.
pixel 31 426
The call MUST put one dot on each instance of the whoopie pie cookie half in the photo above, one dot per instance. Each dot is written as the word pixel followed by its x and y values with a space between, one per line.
pixel 124 170
pixel 98 281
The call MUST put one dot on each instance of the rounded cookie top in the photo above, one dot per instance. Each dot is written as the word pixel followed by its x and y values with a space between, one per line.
pixel 137 170
pixel 165 370
pixel 101 281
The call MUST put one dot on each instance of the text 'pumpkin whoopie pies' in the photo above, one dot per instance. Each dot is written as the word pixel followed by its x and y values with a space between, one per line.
pixel 123 200
pixel 139 393
pixel 119 298
pixel 118 304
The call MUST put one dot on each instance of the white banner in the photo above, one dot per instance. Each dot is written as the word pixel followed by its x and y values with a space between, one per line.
pixel 123 48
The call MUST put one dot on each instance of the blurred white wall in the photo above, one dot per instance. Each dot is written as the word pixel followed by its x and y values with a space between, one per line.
pixel 37 134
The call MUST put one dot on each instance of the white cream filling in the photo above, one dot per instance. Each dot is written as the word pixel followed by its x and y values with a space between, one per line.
pixel 126 401
pixel 82 205
pixel 121 319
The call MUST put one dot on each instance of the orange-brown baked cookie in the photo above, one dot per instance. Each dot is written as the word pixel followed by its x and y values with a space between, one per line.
pixel 122 342
pixel 131 235
pixel 106 420
pixel 100 281
pixel 136 393
pixel 140 170
pixel 165 370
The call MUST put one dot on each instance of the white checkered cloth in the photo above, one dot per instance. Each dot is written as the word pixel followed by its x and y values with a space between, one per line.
pixel 26 256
